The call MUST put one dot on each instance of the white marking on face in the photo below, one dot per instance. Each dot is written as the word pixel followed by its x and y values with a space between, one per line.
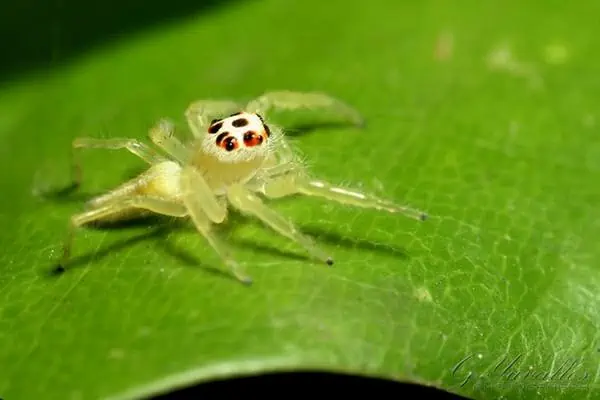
pixel 242 129
pixel 239 136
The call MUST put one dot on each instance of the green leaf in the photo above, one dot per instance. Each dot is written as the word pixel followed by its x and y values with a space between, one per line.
pixel 483 114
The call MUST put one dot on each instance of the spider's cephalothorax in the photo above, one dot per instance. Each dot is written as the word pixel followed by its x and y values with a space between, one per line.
pixel 239 137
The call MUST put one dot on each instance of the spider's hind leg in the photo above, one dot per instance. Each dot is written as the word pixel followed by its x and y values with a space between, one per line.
pixel 117 209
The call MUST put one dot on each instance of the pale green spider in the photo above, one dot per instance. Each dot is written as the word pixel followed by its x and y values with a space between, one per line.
pixel 233 156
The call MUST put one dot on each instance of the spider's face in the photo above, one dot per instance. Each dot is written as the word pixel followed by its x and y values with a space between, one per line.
pixel 240 136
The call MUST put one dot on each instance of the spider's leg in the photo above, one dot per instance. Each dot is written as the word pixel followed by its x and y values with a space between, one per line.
pixel 197 194
pixel 134 146
pixel 119 207
pixel 201 113
pixel 299 184
pixel 204 209
pixel 162 134
pixel 288 100
pixel 247 202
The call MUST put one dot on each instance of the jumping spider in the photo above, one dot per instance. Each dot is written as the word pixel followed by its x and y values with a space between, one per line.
pixel 234 156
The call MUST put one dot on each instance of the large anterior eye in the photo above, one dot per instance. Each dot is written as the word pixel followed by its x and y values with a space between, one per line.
pixel 226 142
pixel 230 143
pixel 252 138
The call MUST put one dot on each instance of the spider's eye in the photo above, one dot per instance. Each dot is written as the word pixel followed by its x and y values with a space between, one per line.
pixel 230 143
pixel 238 123
pixel 214 127
pixel 226 142
pixel 267 130
pixel 251 138
pixel 220 138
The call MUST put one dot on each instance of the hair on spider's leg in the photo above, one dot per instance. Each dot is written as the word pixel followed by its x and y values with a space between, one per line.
pixel 245 201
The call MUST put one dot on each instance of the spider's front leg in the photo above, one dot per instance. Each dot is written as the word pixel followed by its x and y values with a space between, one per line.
pixel 248 203
pixel 288 100
pixel 201 113
pixel 204 210
pixel 300 183
pixel 116 208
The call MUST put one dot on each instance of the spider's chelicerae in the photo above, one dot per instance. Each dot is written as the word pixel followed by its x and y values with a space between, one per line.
pixel 233 159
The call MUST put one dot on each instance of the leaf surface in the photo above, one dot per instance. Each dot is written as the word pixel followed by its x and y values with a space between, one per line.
pixel 485 115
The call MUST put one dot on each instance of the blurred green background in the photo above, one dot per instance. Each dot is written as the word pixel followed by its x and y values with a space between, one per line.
pixel 482 113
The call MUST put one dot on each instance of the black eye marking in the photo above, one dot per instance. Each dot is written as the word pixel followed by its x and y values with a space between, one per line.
pixel 215 127
pixel 267 130
pixel 240 122
pixel 221 137
pixel 230 143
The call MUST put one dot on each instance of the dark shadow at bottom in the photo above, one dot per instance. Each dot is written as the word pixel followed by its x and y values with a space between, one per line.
pixel 304 384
